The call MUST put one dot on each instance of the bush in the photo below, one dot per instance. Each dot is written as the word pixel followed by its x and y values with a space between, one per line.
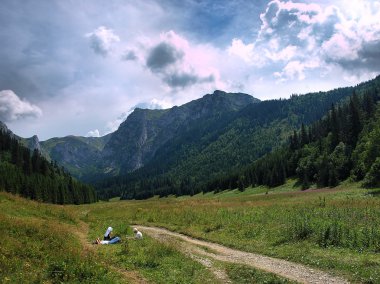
pixel 372 178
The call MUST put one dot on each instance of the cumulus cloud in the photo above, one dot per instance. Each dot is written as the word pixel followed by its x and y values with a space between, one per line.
pixel 292 34
pixel 102 40
pixel 13 108
pixel 244 51
pixel 93 133
pixel 295 70
pixel 153 104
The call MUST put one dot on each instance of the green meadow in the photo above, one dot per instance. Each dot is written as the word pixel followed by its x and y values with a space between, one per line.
pixel 334 229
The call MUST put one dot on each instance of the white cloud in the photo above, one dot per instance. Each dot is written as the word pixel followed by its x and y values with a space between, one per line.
pixel 292 34
pixel 93 133
pixel 295 70
pixel 13 108
pixel 102 40
pixel 244 51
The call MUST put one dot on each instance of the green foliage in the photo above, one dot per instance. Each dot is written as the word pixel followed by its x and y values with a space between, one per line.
pixel 335 230
pixel 344 143
pixel 372 178
pixel 207 150
pixel 241 274
pixel 39 246
pixel 32 176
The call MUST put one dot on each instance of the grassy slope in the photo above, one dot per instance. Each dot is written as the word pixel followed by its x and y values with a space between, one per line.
pixel 336 230
pixel 41 245
pixel 38 245
pixel 283 223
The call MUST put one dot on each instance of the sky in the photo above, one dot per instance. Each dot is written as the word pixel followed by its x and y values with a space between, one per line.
pixel 79 67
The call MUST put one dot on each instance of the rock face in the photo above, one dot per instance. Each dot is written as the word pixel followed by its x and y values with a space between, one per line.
pixel 3 127
pixel 80 155
pixel 145 131
pixel 138 138
pixel 32 143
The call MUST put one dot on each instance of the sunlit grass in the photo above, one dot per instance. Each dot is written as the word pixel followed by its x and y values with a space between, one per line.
pixel 336 230
pixel 38 246
pixel 333 229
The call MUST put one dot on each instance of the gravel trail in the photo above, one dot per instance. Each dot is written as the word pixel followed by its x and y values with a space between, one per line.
pixel 293 271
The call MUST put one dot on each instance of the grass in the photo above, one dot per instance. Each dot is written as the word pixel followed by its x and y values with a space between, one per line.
pixel 158 262
pixel 241 274
pixel 38 246
pixel 336 230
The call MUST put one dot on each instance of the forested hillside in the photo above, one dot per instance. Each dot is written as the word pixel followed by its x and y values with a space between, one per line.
pixel 31 175
pixel 344 144
pixel 208 150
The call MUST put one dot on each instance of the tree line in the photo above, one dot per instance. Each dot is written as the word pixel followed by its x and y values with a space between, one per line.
pixel 324 150
pixel 30 175
pixel 344 144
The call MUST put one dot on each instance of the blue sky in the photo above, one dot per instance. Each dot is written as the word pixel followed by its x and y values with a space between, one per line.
pixel 80 66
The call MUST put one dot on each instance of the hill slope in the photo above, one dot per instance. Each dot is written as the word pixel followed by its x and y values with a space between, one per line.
pixel 210 148
pixel 138 138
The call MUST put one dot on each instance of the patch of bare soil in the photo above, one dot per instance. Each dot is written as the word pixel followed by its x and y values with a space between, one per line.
pixel 293 271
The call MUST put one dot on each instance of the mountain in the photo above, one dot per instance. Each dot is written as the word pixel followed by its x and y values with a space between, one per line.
pixel 81 156
pixel 344 144
pixel 31 143
pixel 185 147
pixel 145 131
pixel 138 138
pixel 31 175
pixel 210 147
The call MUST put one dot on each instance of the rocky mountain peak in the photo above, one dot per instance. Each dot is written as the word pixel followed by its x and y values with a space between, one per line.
pixel 34 143
pixel 3 127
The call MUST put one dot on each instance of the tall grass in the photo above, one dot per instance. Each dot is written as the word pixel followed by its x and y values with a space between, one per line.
pixel 334 229
pixel 38 246
pixel 346 224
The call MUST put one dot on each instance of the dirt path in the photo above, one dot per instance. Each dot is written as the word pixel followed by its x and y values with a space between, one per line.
pixel 287 269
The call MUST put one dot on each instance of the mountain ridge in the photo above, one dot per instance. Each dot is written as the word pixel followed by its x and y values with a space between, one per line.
pixel 200 140
pixel 137 139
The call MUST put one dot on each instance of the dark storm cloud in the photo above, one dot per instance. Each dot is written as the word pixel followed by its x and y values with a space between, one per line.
pixel 129 55
pixel 35 37
pixel 163 55
pixel 166 60
pixel 368 58
pixel 182 80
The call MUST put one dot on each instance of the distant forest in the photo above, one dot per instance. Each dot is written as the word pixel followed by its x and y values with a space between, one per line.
pixel 344 143
pixel 30 175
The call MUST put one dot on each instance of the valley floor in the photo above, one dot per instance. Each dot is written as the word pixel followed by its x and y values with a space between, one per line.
pixel 332 230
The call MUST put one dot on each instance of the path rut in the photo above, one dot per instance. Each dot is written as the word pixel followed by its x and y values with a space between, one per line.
pixel 293 271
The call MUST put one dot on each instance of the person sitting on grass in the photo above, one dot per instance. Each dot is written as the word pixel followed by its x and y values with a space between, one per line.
pixel 114 240
pixel 108 234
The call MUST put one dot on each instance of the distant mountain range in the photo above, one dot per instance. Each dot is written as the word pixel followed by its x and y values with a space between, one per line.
pixel 200 140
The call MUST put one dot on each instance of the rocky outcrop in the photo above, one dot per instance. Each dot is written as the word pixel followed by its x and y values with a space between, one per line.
pixel 145 131
pixel 137 139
